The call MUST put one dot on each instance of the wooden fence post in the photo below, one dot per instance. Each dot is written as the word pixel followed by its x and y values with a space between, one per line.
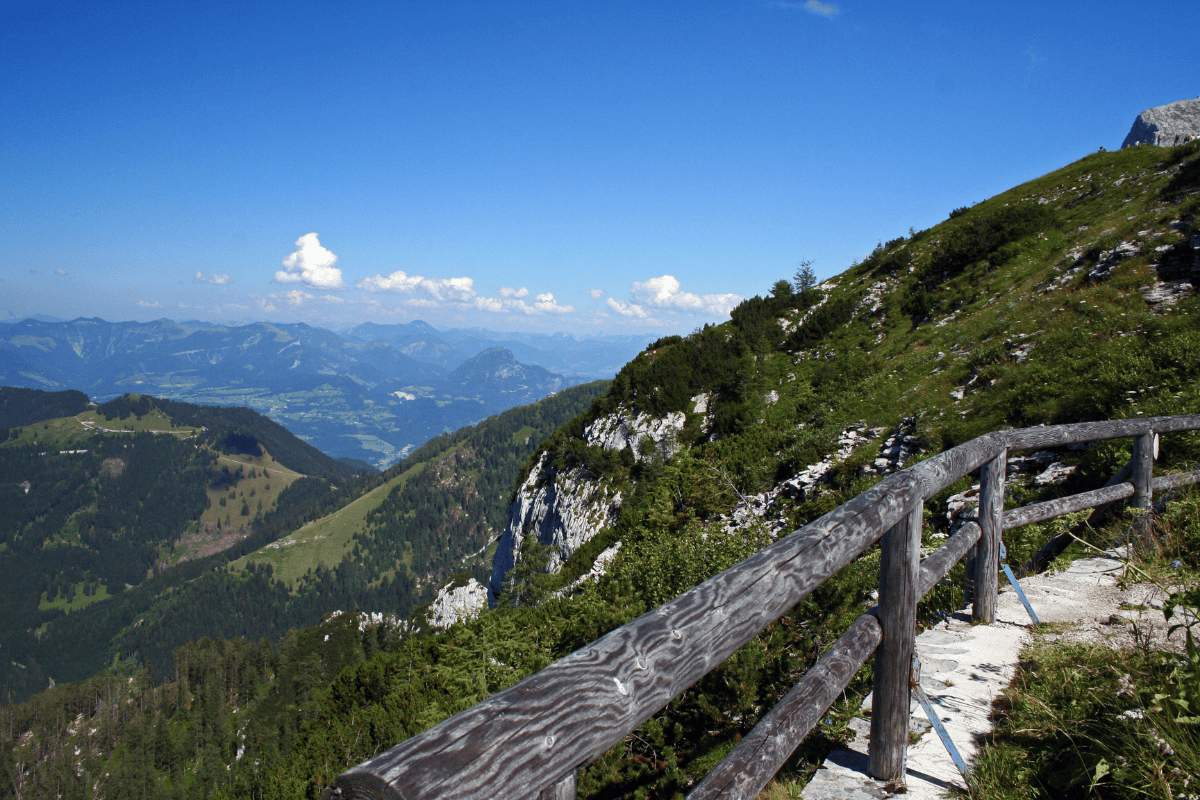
pixel 899 571
pixel 1143 492
pixel 987 553
pixel 562 790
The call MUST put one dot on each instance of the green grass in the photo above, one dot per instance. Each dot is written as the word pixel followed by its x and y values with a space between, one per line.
pixel 70 433
pixel 80 600
pixel 1090 721
pixel 324 541
pixel 1083 721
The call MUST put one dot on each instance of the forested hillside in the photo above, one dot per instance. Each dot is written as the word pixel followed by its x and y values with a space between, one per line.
pixel 97 504
pixel 1065 299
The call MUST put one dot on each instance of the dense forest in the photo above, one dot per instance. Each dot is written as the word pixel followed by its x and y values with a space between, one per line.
pixel 88 543
pixel 90 518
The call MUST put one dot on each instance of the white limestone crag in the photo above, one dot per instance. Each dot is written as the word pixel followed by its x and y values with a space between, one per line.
pixel 456 603
pixel 561 510
pixel 623 428
pixel 1167 125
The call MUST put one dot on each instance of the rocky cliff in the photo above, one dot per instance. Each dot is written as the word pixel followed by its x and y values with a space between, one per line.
pixel 1167 125
pixel 564 509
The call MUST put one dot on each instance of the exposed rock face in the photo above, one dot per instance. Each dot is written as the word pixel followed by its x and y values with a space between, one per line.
pixel 625 429
pixel 562 510
pixel 452 605
pixel 1167 125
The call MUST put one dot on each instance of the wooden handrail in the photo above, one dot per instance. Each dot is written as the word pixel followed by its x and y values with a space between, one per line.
pixel 529 739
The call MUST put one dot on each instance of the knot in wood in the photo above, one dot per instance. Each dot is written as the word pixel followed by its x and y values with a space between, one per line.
pixel 641 662
pixel 676 634
pixel 549 741
pixel 622 688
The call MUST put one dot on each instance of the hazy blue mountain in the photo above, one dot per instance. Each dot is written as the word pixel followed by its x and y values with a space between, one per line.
pixel 577 359
pixel 361 396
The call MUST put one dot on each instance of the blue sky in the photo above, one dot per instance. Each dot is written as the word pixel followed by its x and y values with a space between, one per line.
pixel 589 167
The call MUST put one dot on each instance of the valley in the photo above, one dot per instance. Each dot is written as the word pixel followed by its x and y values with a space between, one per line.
pixel 373 394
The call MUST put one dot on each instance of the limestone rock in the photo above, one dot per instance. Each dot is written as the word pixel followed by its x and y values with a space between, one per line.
pixel 562 510
pixel 1166 125
pixel 623 428
pixel 1110 258
pixel 452 605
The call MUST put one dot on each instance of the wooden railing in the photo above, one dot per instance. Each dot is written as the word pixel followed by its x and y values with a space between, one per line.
pixel 528 740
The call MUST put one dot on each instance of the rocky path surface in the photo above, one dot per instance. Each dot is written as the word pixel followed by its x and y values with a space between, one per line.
pixel 965 667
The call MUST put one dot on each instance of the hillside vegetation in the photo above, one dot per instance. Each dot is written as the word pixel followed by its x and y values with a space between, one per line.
pixel 113 497
pixel 1065 299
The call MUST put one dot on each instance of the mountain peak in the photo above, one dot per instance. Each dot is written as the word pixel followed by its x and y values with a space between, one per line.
pixel 1169 125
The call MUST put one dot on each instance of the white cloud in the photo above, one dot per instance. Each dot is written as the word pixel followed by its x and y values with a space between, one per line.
pixel 489 304
pixel 595 294
pixel 60 271
pixel 824 9
pixel 460 290
pixel 506 291
pixel 296 297
pixel 421 302
pixel 811 6
pixel 546 303
pixel 627 309
pixel 312 265
pixel 331 298
pixel 146 304
pixel 665 292
pixel 215 279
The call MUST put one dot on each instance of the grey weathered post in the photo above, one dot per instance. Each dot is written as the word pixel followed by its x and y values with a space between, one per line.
pixel 899 571
pixel 987 552
pixel 561 790
pixel 1143 492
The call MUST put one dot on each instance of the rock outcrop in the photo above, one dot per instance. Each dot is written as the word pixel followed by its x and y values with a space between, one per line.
pixel 1167 125
pixel 561 510
pixel 455 603
pixel 624 428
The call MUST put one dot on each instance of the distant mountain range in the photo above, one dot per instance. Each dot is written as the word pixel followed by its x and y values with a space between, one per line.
pixel 373 393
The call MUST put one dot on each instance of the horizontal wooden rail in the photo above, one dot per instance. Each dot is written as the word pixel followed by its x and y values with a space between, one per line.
pixel 1081 432
pixel 534 735
pixel 1040 512
pixel 757 758
pixel 1163 482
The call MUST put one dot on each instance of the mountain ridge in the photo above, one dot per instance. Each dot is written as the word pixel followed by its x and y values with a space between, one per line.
pixel 1059 300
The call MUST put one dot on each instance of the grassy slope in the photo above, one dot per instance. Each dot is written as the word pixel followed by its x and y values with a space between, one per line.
pixel 1099 350
pixel 325 541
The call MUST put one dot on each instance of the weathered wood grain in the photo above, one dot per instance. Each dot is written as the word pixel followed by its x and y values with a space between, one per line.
pixel 987 553
pixel 899 571
pixel 1142 478
pixel 1039 512
pixel 938 472
pixel 938 563
pixel 757 758
pixel 1164 482
pixel 578 707
pixel 1059 435
pixel 1050 550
